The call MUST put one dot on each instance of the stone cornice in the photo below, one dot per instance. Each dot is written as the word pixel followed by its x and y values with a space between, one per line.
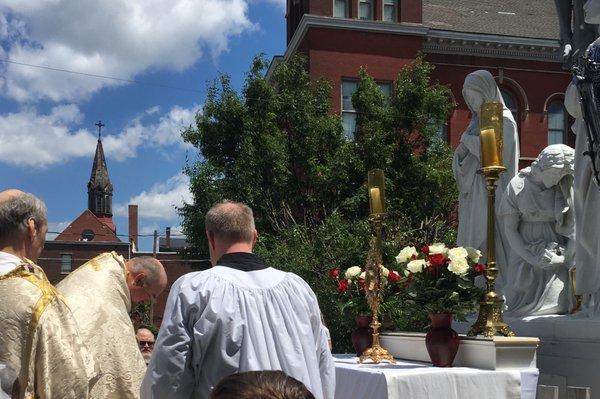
pixel 480 45
pixel 438 41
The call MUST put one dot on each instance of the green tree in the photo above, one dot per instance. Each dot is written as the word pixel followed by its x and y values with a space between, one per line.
pixel 278 147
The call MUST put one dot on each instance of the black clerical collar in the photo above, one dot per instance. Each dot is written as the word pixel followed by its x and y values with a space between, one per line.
pixel 244 261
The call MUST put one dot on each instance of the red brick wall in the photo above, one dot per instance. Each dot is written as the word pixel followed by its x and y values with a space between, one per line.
pixel 411 11
pixel 321 7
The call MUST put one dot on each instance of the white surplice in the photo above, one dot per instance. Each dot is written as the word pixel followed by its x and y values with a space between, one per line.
pixel 223 321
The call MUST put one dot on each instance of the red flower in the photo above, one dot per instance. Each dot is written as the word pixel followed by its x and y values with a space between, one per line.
pixel 393 277
pixel 479 268
pixel 334 273
pixel 436 259
pixel 425 249
pixel 343 286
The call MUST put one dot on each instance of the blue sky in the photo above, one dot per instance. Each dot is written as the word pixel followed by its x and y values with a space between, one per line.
pixel 47 117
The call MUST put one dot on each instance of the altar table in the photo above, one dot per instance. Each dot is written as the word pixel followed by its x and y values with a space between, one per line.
pixel 415 380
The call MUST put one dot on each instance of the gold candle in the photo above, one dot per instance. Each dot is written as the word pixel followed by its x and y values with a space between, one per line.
pixel 491 128
pixel 376 185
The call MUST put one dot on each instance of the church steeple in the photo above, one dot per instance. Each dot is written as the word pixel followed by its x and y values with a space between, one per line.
pixel 100 189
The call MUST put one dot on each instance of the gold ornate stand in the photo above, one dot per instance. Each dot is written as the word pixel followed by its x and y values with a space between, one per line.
pixel 375 353
pixel 489 321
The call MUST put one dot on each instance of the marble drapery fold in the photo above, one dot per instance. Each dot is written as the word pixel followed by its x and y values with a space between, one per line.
pixel 98 295
pixel 587 205
pixel 39 338
pixel 480 87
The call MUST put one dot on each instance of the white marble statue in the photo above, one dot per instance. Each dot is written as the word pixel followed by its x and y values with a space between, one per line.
pixel 587 212
pixel 539 224
pixel 480 87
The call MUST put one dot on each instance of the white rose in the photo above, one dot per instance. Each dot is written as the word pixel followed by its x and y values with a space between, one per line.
pixel 352 272
pixel 457 253
pixel 362 275
pixel 405 254
pixel 458 266
pixel 474 254
pixel 384 271
pixel 416 266
pixel 437 248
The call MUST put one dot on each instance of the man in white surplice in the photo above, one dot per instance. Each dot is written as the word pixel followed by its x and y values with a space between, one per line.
pixel 240 315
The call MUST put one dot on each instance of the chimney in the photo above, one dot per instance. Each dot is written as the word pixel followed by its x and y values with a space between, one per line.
pixel 133 225
pixel 168 240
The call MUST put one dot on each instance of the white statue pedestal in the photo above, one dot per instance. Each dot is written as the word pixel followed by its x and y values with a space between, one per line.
pixel 569 349
pixel 484 353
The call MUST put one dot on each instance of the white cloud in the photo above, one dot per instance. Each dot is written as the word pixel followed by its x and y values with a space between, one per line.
pixel 119 38
pixel 159 202
pixel 54 228
pixel 32 139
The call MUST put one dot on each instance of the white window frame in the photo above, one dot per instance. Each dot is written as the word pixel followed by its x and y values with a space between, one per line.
pixel 394 3
pixel 564 125
pixel 62 259
pixel 346 10
pixel 350 135
pixel 371 3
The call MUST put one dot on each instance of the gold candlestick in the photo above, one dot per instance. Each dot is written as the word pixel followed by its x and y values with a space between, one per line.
pixel 489 320
pixel 375 353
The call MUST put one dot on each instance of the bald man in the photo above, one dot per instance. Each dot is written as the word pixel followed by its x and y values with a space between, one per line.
pixel 100 294
pixel 41 351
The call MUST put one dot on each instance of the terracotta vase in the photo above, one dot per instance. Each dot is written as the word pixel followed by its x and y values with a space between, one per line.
pixel 362 336
pixel 441 340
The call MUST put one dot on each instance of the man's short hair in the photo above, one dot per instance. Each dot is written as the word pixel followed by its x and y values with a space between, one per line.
pixel 148 265
pixel 267 384
pixel 16 210
pixel 230 221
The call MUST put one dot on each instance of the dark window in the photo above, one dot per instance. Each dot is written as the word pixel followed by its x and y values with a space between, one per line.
pixel 66 263
pixel 340 8
pixel 557 123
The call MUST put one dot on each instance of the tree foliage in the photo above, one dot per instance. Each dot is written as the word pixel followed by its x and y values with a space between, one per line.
pixel 278 147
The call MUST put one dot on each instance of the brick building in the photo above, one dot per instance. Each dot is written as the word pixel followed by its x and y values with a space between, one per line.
pixel 517 41
pixel 94 232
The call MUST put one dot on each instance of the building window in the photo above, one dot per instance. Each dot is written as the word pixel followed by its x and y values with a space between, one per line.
pixel 365 10
pixel 66 263
pixel 348 111
pixel 557 123
pixel 511 102
pixel 389 10
pixel 340 8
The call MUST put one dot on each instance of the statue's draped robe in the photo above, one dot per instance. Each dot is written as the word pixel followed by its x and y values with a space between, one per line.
pixel 587 205
pixel 472 191
pixel 545 217
pixel 97 294
pixel 39 338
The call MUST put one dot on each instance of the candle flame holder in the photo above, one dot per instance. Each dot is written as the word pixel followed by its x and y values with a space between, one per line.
pixel 376 185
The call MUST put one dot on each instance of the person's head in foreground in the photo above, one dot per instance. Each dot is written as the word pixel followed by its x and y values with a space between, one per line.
pixel 229 228
pixel 268 384
pixel 23 224
pixel 146 278
pixel 145 339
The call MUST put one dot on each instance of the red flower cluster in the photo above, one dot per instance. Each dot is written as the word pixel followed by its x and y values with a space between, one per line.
pixel 425 249
pixel 334 273
pixel 436 260
pixel 479 268
pixel 393 277
pixel 343 286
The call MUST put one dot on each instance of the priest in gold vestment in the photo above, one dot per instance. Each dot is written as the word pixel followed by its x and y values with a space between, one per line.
pixel 100 294
pixel 41 352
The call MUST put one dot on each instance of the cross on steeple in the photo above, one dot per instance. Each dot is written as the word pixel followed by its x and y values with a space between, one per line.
pixel 100 126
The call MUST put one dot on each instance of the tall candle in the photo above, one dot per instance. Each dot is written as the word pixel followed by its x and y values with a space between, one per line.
pixel 489 149
pixel 491 128
pixel 376 205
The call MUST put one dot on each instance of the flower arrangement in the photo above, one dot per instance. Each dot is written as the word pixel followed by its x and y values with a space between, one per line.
pixel 441 279
pixel 350 287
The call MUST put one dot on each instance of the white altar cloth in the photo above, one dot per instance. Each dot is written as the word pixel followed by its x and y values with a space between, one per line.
pixel 415 380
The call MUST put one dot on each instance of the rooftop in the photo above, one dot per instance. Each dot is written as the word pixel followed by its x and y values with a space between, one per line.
pixel 524 18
